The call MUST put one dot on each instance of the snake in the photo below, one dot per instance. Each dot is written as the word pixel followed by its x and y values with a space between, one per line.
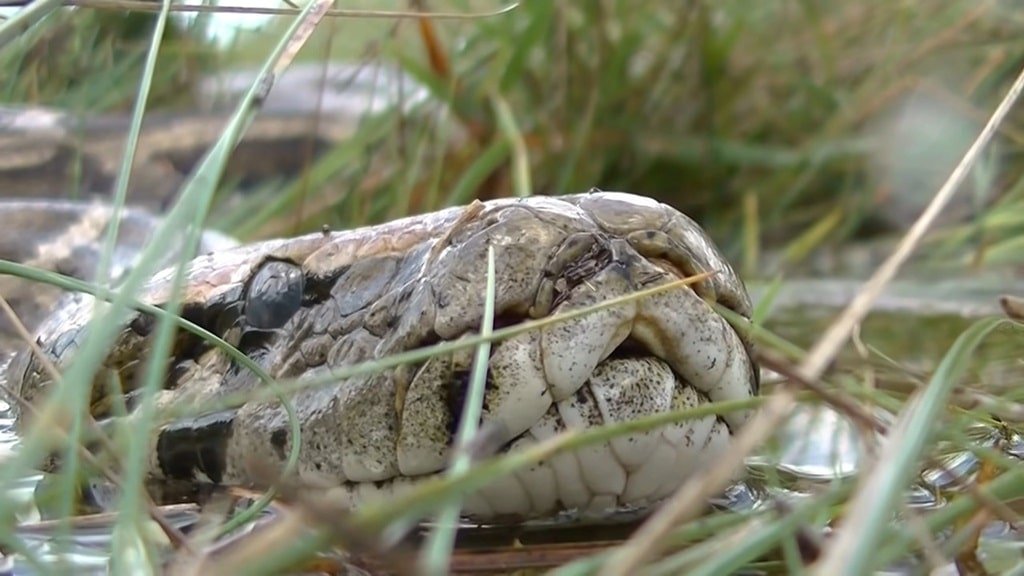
pixel 304 307
pixel 48 153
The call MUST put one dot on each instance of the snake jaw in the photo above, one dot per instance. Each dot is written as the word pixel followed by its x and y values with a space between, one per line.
pixel 571 374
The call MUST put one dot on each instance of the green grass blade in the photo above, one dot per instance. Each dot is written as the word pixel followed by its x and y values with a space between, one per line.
pixel 188 213
pixel 521 184
pixel 25 19
pixel 881 490
pixel 482 167
pixel 128 528
pixel 438 550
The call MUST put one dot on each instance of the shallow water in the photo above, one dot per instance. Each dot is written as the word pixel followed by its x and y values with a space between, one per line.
pixel 815 448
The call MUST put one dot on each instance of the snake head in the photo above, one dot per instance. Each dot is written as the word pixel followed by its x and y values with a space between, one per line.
pixel 308 307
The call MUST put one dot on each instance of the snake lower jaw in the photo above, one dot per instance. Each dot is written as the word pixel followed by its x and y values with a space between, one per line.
pixel 628 472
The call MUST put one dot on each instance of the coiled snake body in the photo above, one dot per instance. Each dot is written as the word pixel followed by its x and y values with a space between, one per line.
pixel 304 306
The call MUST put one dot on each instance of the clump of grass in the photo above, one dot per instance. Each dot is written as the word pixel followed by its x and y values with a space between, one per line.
pixel 89 61
pixel 718 106
pixel 828 136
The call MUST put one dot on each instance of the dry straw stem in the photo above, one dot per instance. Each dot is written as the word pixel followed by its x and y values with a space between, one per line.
pixel 295 43
pixel 840 554
pixel 149 6
pixel 688 500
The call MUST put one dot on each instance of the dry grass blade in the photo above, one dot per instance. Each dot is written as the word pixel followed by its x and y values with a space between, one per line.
pixel 825 350
pixel 143 6
pixel 967 560
pixel 692 496
pixel 309 23
pixel 880 489
pixel 839 402
pixel 300 510
pixel 649 539
pixel 843 552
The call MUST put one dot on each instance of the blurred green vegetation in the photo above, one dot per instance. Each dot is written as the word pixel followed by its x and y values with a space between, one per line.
pixel 792 124
pixel 91 60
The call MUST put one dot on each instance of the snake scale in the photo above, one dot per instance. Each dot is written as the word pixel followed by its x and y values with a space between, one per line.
pixel 302 307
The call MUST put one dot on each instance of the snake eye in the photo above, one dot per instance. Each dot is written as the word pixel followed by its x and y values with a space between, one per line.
pixel 274 295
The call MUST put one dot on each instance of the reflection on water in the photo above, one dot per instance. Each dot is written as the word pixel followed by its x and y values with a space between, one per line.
pixel 87 550
pixel 816 444
pixel 7 436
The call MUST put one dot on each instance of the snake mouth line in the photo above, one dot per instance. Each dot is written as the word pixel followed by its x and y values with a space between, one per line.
pixel 631 352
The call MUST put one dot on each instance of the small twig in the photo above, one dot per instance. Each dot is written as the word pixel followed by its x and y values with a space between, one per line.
pixel 1004 409
pixel 95 520
pixel 144 6
pixel 175 536
pixel 301 508
pixel 921 533
pixel 1012 306
pixel 26 337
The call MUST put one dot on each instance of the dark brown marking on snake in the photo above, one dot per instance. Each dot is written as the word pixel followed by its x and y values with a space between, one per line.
pixel 196 445
pixel 279 440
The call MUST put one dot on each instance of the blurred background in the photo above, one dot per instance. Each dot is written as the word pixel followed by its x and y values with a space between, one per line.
pixel 801 133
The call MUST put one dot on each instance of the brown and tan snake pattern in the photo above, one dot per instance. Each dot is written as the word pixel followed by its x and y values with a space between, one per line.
pixel 304 306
